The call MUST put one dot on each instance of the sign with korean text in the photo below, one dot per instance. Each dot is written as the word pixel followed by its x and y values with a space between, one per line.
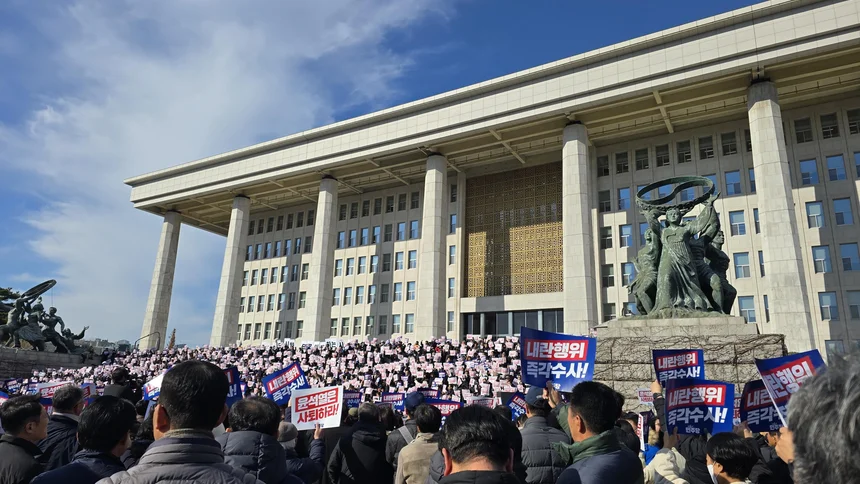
pixel 352 399
pixel 447 407
pixel 13 386
pixel 152 388
pixel 488 402
pixel 46 390
pixel 517 404
pixel 699 407
pixel 90 392
pixel 430 393
pixel 234 392
pixel 312 406
pixel 757 408
pixel 280 384
pixel 561 358
pixel 785 375
pixel 676 364
pixel 645 396
pixel 394 399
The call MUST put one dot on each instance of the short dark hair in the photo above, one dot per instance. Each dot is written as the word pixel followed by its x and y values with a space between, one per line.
pixel 505 411
pixel 120 376
pixel 66 398
pixel 475 431
pixel 428 418
pixel 823 416
pixel 255 413
pixel 141 407
pixel 368 412
pixel 627 439
pixel 596 404
pixel 105 423
pixel 733 453
pixel 17 412
pixel 193 395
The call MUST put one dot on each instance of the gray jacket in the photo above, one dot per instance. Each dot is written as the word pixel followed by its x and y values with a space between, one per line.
pixel 543 465
pixel 182 457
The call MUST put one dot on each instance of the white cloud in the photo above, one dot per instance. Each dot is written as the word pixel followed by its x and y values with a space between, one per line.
pixel 145 85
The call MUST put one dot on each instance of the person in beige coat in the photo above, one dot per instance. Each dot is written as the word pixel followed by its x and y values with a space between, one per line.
pixel 413 463
pixel 667 465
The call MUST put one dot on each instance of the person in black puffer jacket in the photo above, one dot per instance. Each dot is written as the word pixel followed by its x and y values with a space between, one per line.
pixel 142 440
pixel 251 443
pixel 543 464
pixel 359 457
pixel 308 469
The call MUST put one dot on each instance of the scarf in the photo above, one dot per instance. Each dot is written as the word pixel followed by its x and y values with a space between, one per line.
pixel 600 444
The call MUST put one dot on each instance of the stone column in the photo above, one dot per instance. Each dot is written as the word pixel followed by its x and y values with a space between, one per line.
pixel 158 304
pixel 224 326
pixel 785 282
pixel 321 270
pixel 580 297
pixel 432 286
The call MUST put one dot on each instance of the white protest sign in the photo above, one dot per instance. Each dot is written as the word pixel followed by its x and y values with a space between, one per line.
pixel 645 396
pixel 311 406
pixel 46 390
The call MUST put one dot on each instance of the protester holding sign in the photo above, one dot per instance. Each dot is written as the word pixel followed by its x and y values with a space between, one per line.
pixel 676 364
pixel 699 407
pixel 281 384
pixel 251 445
pixel 359 457
pixel 543 464
pixel 62 441
pixel 784 376
pixel 309 469
pixel 316 406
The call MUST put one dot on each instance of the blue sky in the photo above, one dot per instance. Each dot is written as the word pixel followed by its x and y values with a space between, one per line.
pixel 92 92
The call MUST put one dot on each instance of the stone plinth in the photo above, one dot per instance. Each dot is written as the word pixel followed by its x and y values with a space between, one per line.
pixel 730 345
pixel 19 363
pixel 663 328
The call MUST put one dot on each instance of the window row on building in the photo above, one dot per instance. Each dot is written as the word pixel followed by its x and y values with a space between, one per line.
pixel 263 331
pixel 268 250
pixel 849 258
pixel 834 168
pixel 263 303
pixel 705 146
pixel 392 203
pixel 272 276
pixel 384 293
pixel 277 223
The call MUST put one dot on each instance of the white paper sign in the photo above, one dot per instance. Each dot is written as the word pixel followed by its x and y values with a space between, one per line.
pixel 313 406
pixel 46 390
pixel 645 396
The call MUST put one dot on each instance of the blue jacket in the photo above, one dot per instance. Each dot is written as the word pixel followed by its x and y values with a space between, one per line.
pixel 87 467
pixel 308 469
pixel 617 467
pixel 650 452
pixel 61 444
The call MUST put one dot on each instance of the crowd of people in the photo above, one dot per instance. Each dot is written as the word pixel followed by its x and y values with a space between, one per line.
pixel 472 367
pixel 190 435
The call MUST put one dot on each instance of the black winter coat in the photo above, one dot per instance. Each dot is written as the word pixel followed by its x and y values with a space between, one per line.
pixel 257 454
pixel 132 456
pixel 87 467
pixel 18 464
pixel 618 467
pixel 60 446
pixel 359 457
pixel 543 465
pixel 308 469
pixel 480 477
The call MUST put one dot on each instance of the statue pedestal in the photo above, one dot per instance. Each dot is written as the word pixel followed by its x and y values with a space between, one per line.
pixel 639 327
pixel 730 345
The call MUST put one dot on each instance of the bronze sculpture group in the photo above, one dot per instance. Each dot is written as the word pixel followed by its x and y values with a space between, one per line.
pixel 26 319
pixel 681 270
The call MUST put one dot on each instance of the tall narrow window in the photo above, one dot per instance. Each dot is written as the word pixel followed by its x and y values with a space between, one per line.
pixel 662 155
pixel 641 157
pixel 836 168
pixel 706 148
pixel 684 152
pixel 803 130
pixel 622 162
pixel 808 172
pixel 829 126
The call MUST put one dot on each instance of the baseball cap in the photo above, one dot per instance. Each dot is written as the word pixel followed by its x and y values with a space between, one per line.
pixel 412 401
pixel 533 395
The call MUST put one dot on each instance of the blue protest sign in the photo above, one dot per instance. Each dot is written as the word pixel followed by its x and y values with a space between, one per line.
pixel 234 394
pixel 152 388
pixel 699 407
pixel 352 399
pixel 394 399
pixel 757 409
pixel 561 358
pixel 677 364
pixel 517 404
pixel 13 386
pixel 280 384
pixel 3 397
pixel 447 407
pixel 90 392
pixel 784 376
pixel 430 393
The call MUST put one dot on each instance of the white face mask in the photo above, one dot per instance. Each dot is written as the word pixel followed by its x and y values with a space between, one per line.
pixel 711 472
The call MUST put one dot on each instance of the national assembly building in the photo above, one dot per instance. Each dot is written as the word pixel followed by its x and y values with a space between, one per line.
pixel 512 202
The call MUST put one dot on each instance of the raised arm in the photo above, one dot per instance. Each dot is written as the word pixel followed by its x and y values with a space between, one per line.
pixel 705 217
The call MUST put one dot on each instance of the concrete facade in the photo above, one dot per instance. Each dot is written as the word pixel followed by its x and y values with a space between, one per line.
pixel 322 260
pixel 227 302
pixel 154 332
pixel 685 101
